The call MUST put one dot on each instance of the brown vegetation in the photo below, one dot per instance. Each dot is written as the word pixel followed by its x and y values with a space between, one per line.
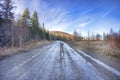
pixel 8 51
pixel 100 50
pixel 97 47
pixel 114 40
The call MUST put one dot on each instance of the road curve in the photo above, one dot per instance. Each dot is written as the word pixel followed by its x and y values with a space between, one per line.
pixel 57 61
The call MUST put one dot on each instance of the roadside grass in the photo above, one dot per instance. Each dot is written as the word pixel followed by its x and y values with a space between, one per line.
pixel 8 51
pixel 97 47
pixel 100 50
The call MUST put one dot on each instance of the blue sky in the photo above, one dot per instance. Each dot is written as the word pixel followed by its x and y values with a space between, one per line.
pixel 67 15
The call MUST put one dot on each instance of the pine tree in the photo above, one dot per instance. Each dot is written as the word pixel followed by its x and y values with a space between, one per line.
pixel 75 35
pixel 1 5
pixel 6 18
pixel 26 24
pixel 35 21
pixel 35 25
pixel 43 31
pixel 111 31
pixel 26 17
pixel 47 35
pixel 6 10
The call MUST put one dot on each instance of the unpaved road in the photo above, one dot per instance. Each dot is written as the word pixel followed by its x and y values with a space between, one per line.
pixel 57 61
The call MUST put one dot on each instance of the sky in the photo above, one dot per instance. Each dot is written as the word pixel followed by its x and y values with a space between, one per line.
pixel 95 16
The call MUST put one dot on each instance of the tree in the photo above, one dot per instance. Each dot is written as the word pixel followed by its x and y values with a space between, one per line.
pixel 6 19
pixel 88 35
pixel 35 25
pixel 104 36
pixel 93 36
pixel 43 31
pixel 98 37
pixel 1 5
pixel 26 17
pixel 111 31
pixel 119 32
pixel 35 21
pixel 75 35
pixel 26 25
pixel 6 10
pixel 47 35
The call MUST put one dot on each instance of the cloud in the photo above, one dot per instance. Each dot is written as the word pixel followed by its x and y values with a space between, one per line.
pixel 106 13
pixel 54 18
pixel 83 24
pixel 59 18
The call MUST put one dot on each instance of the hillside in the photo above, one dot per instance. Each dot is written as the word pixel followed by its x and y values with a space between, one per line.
pixel 62 35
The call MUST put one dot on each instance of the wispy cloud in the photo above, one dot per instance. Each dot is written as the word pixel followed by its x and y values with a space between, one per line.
pixel 62 18
pixel 106 13
pixel 54 18
pixel 83 24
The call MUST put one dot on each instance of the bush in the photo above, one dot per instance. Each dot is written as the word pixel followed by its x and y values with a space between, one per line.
pixel 114 39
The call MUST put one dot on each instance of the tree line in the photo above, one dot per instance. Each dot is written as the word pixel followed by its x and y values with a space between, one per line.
pixel 25 28
pixel 90 37
pixel 112 38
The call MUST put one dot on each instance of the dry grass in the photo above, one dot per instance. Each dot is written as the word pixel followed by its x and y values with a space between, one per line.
pixel 8 51
pixel 101 51
pixel 100 47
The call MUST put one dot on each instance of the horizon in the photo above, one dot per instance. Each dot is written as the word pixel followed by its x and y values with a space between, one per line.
pixel 96 16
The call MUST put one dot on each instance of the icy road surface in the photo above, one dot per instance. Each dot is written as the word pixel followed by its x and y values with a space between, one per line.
pixel 57 61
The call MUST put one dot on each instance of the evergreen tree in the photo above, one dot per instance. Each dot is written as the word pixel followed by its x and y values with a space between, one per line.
pixel 1 5
pixel 43 31
pixel 25 18
pixel 35 25
pixel 47 35
pixel 6 7
pixel 111 31
pixel 35 21
pixel 6 26
pixel 119 32
pixel 98 37
pixel 26 24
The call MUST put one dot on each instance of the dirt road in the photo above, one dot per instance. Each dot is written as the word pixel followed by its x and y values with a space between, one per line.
pixel 57 61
